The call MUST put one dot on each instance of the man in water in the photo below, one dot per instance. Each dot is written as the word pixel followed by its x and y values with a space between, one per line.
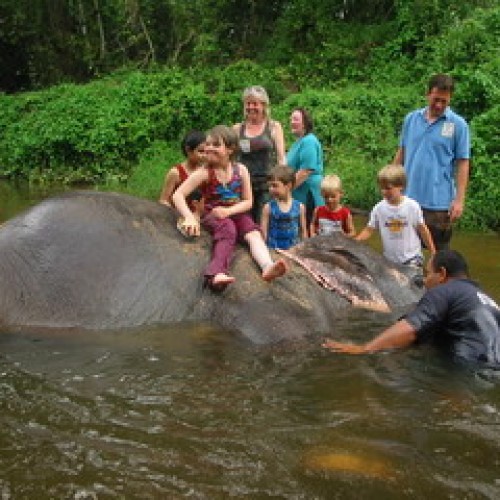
pixel 454 312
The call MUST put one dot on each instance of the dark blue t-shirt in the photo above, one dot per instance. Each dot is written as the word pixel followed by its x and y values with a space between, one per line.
pixel 458 315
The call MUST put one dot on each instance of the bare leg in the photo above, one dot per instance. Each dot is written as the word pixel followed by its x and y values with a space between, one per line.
pixel 261 255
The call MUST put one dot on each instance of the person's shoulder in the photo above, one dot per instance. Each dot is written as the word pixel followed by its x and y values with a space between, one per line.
pixel 240 168
pixel 455 117
pixel 455 287
pixel 203 172
pixel 380 204
pixel 267 207
pixel 174 172
pixel 415 113
pixel 310 139
pixel 411 202
pixel 413 118
pixel 275 124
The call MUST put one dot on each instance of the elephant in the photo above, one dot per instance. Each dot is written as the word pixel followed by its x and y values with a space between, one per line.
pixel 91 260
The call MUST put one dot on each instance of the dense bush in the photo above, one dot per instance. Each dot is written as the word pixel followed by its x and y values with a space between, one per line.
pixel 97 131
pixel 123 131
pixel 147 177
pixel 483 207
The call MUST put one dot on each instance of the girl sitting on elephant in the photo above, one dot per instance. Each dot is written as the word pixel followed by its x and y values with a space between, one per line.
pixel 193 148
pixel 227 193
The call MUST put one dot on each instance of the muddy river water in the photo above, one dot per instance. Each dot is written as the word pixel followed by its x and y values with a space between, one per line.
pixel 195 412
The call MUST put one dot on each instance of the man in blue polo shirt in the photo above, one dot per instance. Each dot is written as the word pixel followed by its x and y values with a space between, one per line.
pixel 435 150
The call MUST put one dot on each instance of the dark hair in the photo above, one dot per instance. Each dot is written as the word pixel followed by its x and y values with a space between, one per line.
pixel 452 261
pixel 192 140
pixel 441 82
pixel 282 173
pixel 306 119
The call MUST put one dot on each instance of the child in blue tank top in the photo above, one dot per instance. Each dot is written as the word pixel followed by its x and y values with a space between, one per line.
pixel 283 221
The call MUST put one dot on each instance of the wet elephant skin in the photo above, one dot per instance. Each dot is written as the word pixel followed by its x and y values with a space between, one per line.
pixel 93 260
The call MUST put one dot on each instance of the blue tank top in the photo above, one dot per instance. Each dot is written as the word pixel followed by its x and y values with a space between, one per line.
pixel 283 230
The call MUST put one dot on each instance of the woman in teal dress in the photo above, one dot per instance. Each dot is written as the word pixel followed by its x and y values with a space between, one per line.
pixel 306 159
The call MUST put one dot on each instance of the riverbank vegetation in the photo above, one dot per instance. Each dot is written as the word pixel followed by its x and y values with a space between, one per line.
pixel 105 96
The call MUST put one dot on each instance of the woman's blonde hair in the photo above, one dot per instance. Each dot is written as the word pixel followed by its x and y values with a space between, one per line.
pixel 259 93
pixel 331 183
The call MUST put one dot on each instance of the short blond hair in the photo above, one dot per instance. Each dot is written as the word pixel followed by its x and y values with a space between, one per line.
pixel 331 183
pixel 392 174
pixel 260 94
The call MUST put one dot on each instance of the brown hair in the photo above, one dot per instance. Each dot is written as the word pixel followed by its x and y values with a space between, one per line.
pixel 441 82
pixel 228 136
pixel 282 173
pixel 306 119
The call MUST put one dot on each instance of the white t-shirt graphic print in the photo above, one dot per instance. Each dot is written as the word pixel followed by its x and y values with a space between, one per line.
pixel 398 228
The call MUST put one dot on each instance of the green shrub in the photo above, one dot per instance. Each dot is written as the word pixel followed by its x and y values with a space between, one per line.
pixel 482 207
pixel 146 178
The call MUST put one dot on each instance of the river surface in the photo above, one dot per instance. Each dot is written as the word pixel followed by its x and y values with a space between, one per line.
pixel 195 412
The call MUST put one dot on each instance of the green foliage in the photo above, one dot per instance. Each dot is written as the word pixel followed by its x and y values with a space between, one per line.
pixel 358 67
pixel 483 209
pixel 146 179
pixel 98 131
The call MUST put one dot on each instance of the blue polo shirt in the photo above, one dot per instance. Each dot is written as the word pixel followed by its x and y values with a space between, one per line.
pixel 430 152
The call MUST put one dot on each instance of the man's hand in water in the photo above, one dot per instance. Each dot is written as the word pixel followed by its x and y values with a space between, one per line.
pixel 343 348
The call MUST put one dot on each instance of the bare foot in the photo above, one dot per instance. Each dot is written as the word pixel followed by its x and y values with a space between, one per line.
pixel 275 270
pixel 220 281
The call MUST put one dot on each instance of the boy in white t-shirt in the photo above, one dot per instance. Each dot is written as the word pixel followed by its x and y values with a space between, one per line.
pixel 399 220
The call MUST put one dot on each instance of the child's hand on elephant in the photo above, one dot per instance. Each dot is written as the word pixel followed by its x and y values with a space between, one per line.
pixel 190 226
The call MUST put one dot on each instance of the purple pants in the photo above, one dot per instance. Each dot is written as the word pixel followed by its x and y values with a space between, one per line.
pixel 225 233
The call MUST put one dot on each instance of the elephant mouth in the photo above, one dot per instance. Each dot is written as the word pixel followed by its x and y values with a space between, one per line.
pixel 340 271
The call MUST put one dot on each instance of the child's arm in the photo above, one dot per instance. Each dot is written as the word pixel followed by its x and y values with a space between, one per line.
pixel 349 224
pixel 191 223
pixel 314 221
pixel 364 234
pixel 303 222
pixel 426 236
pixel 264 221
pixel 172 180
